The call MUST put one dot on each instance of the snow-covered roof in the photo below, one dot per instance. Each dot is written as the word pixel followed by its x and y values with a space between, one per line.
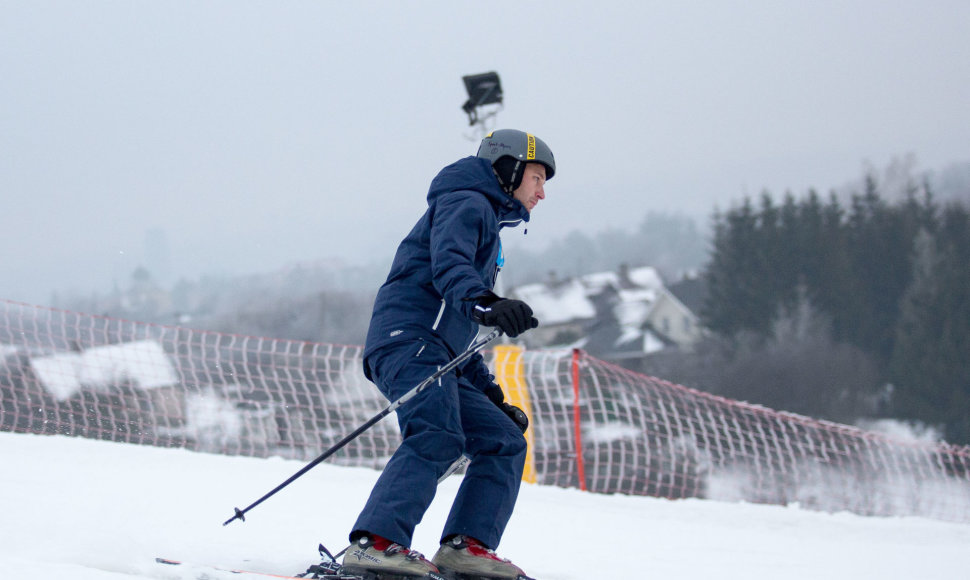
pixel 142 364
pixel 646 277
pixel 558 304
pixel 573 300
pixel 643 278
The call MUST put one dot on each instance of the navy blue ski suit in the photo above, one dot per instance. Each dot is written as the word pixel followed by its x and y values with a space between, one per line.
pixel 422 318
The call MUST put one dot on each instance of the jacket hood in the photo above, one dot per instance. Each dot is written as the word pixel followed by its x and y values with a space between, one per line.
pixel 475 174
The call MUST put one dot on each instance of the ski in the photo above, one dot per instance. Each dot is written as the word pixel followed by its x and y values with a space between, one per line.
pixel 459 576
pixel 324 571
pixel 206 572
pixel 328 569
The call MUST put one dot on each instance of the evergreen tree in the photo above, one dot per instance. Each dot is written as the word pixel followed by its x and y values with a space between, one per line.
pixel 778 267
pixel 738 297
pixel 930 368
pixel 831 289
pixel 852 268
pixel 790 256
pixel 880 250
pixel 812 243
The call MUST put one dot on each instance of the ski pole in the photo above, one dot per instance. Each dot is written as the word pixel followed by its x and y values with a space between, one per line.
pixel 458 464
pixel 240 514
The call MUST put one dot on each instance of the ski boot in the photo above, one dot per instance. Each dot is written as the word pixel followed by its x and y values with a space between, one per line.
pixel 375 558
pixel 465 558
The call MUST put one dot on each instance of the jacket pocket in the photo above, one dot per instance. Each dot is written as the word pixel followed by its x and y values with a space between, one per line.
pixel 386 363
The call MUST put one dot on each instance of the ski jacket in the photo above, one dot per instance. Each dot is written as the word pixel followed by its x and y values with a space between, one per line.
pixel 449 259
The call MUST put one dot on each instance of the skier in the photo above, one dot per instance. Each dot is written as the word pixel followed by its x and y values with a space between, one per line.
pixel 438 292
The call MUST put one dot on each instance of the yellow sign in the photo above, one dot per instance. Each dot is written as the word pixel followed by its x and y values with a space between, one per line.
pixel 510 374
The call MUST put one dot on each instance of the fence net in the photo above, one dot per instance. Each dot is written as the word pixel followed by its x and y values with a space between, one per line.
pixel 595 426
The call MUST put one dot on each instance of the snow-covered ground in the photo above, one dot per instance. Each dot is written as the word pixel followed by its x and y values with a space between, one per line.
pixel 90 510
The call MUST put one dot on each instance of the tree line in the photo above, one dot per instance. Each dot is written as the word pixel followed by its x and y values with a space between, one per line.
pixel 861 307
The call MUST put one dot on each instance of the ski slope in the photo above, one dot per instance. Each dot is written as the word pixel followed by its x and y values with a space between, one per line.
pixel 91 510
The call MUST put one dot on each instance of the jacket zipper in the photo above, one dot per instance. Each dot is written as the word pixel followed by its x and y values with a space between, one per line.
pixel 441 312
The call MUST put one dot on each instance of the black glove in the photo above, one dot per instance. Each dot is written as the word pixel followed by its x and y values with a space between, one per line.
pixel 495 394
pixel 513 317
pixel 516 414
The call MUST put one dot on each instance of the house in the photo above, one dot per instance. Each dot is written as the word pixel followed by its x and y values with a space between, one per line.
pixel 612 315
pixel 141 364
pixel 125 391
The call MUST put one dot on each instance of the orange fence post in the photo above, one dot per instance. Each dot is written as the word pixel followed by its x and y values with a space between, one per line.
pixel 577 431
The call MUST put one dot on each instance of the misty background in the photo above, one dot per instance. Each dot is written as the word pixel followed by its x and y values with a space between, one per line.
pixel 222 138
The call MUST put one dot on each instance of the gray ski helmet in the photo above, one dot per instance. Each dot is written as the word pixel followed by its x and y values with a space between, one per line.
pixel 519 146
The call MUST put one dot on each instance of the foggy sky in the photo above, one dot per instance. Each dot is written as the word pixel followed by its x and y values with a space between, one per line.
pixel 238 136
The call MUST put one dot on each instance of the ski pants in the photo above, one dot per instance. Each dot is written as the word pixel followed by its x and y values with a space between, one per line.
pixel 444 420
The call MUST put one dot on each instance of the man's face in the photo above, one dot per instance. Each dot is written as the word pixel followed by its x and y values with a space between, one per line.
pixel 532 188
